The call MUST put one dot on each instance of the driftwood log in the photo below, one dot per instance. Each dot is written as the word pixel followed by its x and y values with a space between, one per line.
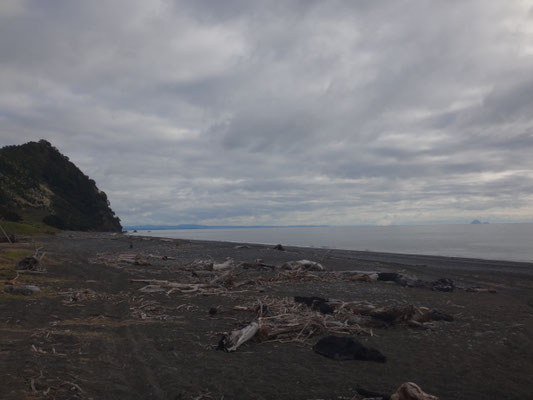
pixel 156 285
pixel 223 266
pixel 411 391
pixel 236 338
pixel 302 265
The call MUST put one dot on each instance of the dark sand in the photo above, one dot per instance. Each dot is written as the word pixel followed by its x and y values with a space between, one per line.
pixel 102 348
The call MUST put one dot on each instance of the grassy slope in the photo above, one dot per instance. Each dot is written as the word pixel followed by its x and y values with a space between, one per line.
pixel 27 228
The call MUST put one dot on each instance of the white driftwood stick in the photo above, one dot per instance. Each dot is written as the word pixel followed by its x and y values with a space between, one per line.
pixel 237 338
pixel 5 234
pixel 225 265
pixel 220 279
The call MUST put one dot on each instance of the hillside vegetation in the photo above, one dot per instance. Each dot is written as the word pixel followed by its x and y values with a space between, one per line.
pixel 38 185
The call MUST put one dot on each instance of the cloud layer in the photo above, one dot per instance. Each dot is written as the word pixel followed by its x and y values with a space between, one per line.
pixel 301 112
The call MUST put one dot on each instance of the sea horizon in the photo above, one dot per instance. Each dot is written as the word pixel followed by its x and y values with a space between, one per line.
pixel 494 241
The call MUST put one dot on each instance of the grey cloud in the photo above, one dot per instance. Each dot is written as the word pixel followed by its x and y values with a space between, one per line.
pixel 280 113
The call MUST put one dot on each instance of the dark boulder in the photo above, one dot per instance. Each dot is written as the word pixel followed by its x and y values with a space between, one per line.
pixel 25 290
pixel 346 348
pixel 28 263
pixel 443 285
pixel 436 315
pixel 389 276
pixel 316 303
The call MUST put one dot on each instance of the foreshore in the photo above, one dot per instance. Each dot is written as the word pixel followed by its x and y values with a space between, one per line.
pixel 92 333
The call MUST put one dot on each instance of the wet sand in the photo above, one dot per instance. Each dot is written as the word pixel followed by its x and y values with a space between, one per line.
pixel 92 334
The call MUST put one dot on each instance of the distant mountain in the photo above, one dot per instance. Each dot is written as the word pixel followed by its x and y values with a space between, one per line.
pixel 37 182
pixel 193 226
pixel 477 222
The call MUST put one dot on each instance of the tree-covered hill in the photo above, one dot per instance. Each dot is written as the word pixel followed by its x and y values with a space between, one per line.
pixel 37 182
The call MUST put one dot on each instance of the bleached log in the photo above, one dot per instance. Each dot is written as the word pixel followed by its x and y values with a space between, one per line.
pixel 237 338
pixel 151 289
pixel 174 285
pixel 225 265
pixel 303 265
pixel 222 278
pixel 164 258
pixel 6 235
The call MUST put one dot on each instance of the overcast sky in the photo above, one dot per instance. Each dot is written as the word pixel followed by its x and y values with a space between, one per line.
pixel 288 112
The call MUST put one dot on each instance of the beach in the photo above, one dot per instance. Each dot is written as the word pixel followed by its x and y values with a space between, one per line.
pixel 92 333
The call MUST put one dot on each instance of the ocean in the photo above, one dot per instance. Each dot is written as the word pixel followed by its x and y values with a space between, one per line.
pixel 511 242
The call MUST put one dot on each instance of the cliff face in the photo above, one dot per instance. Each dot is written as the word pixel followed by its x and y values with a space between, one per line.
pixel 38 182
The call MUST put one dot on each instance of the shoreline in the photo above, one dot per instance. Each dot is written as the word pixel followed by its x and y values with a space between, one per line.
pixel 93 332
pixel 411 259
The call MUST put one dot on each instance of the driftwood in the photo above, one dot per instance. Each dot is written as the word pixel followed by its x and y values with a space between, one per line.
pixel 140 260
pixel 164 258
pixel 416 317
pixel 223 266
pixel 127 258
pixel 203 274
pixel 5 234
pixel 224 278
pixel 357 275
pixel 282 319
pixel 411 391
pixel 29 272
pixel 480 290
pixel 236 338
pixel 258 265
pixel 156 285
pixel 287 321
pixel 32 263
pixel 303 265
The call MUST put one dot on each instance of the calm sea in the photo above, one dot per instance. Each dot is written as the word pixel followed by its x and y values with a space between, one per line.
pixel 512 242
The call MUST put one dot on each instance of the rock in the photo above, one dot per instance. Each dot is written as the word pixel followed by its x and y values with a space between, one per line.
pixel 443 285
pixel 388 276
pixel 28 263
pixel 369 395
pixel 437 315
pixel 346 348
pixel 303 265
pixel 393 315
pixel 316 303
pixel 25 290
pixel 411 391
pixel 279 247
